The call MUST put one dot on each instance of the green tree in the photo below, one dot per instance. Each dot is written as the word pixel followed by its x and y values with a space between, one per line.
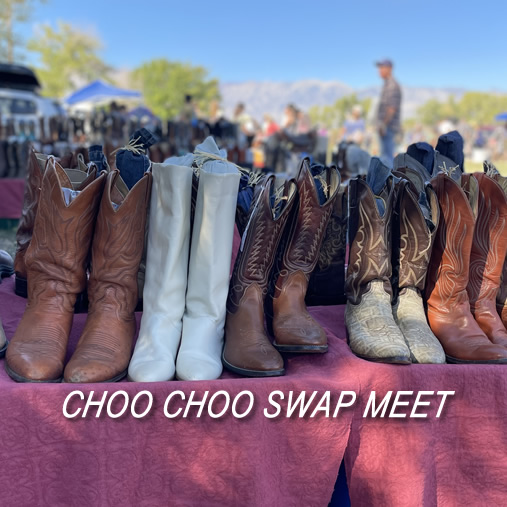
pixel 334 115
pixel 11 13
pixel 68 58
pixel 165 83
pixel 479 108
pixel 475 108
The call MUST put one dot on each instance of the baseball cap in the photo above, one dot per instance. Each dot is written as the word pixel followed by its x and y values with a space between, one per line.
pixel 386 62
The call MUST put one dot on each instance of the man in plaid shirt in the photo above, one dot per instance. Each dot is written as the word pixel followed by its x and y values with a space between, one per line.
pixel 389 111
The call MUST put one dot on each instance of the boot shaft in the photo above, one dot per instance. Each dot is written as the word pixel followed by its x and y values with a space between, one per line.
pixel 307 228
pixel 501 298
pixel 414 232
pixel 33 184
pixel 369 239
pixel 58 252
pixel 79 178
pixel 269 213
pixel 448 271
pixel 118 244
pixel 489 247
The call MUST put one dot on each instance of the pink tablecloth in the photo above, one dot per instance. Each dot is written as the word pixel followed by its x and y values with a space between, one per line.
pixel 458 459
pixel 49 460
pixel 11 197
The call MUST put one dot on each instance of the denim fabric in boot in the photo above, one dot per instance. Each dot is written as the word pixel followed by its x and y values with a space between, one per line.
pixel 132 161
pixel 450 145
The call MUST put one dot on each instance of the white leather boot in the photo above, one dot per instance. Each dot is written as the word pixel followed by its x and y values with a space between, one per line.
pixel 199 357
pixel 166 275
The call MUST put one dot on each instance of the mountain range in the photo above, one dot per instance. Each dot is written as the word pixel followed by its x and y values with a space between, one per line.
pixel 271 97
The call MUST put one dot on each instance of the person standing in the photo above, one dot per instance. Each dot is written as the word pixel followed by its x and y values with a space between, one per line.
pixel 389 111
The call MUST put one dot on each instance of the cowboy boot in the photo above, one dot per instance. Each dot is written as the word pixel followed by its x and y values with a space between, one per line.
pixel 414 233
pixel 56 266
pixel 200 353
pixel 372 331
pixel 132 162
pixel 448 305
pixel 487 258
pixel 79 179
pixel 248 350
pixel 104 349
pixel 293 327
pixel 166 275
pixel 3 340
pixel 327 281
pixel 501 297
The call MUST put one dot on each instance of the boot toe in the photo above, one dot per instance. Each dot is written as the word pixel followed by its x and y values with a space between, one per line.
pixel 424 354
pixel 90 372
pixel 261 360
pixel 151 371
pixel 197 367
pixel 301 331
pixel 28 369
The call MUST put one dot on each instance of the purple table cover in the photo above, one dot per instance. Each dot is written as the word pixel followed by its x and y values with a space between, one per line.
pixel 11 197
pixel 457 459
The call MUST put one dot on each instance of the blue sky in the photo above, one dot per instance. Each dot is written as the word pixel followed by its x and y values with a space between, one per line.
pixel 455 44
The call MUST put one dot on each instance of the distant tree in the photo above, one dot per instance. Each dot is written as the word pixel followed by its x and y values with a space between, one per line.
pixel 68 57
pixel 165 84
pixel 431 112
pixel 11 13
pixel 334 115
pixel 481 108
pixel 475 108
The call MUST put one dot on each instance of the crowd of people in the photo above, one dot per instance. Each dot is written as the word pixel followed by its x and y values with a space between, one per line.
pixel 269 144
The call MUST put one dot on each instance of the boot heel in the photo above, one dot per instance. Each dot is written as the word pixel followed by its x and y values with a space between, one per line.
pixel 20 287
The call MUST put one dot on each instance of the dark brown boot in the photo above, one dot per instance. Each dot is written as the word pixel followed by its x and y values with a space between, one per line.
pixel 35 171
pixel 293 327
pixel 56 266
pixel 449 312
pixel 248 350
pixel 104 349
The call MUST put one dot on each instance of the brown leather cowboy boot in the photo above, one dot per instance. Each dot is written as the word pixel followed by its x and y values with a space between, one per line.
pixel 372 331
pixel 35 171
pixel 449 312
pixel 413 236
pixel 56 267
pixel 487 258
pixel 248 350
pixel 327 282
pixel 104 349
pixel 501 297
pixel 293 327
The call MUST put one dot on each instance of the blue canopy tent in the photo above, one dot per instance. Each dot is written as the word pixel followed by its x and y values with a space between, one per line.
pixel 98 91
pixel 501 117
pixel 142 111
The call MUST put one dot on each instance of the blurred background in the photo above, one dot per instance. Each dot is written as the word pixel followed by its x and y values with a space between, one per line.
pixel 272 81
